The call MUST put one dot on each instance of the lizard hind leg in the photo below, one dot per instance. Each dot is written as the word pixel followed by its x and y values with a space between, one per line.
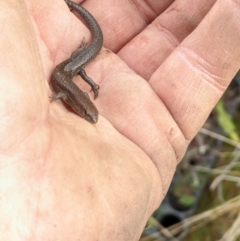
pixel 88 80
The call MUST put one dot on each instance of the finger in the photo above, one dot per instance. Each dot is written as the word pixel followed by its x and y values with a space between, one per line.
pixel 132 107
pixel 193 78
pixel 154 44
pixel 120 21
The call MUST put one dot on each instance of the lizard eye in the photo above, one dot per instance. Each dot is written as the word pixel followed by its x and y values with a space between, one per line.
pixel 91 117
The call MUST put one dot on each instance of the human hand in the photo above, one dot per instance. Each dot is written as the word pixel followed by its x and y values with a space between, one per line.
pixel 65 179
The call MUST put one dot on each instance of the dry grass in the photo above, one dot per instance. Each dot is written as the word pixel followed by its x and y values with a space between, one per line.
pixel 231 207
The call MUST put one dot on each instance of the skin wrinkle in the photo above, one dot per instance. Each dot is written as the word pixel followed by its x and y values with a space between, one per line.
pixel 171 138
pixel 142 9
pixel 170 36
pixel 178 156
pixel 202 67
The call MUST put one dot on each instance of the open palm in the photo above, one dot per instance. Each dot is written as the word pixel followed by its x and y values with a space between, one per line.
pixel 63 178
